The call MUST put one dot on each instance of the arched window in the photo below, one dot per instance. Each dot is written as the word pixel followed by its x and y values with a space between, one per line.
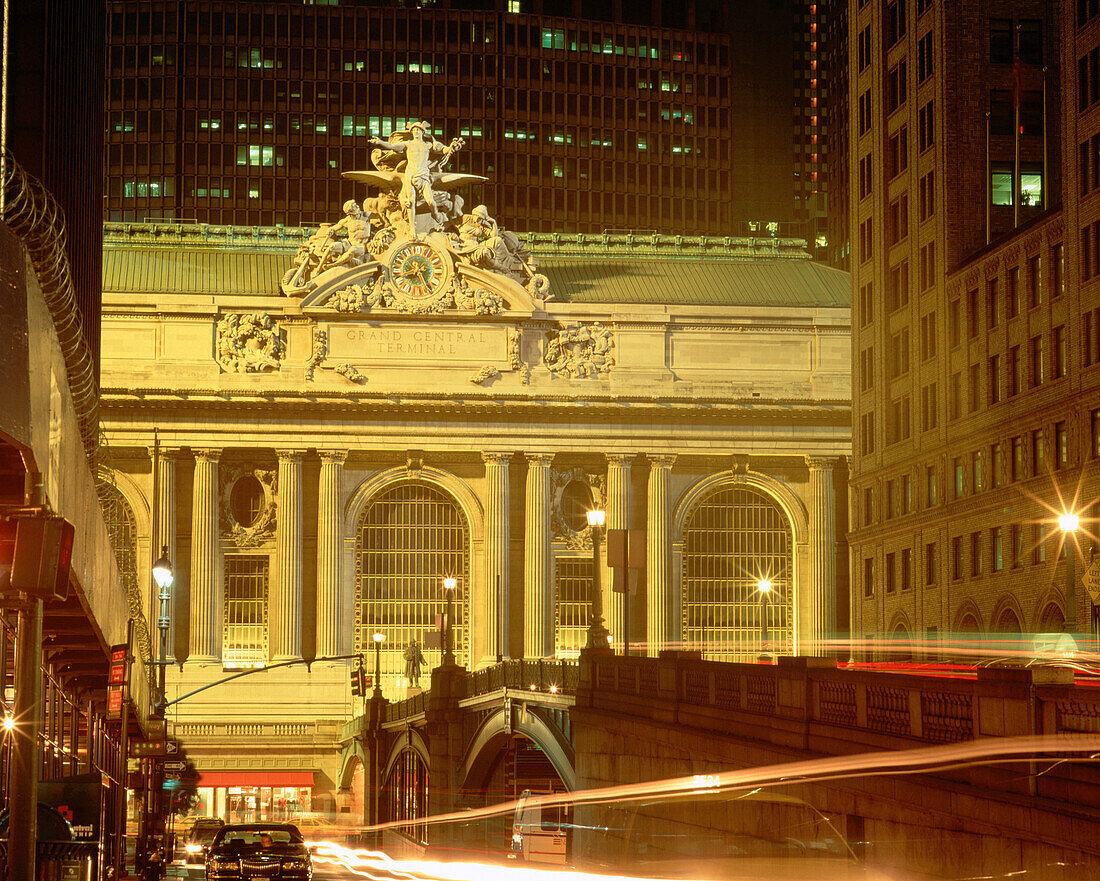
pixel 1007 622
pixel 122 532
pixel 733 539
pixel 410 538
pixel 407 794
pixel 1052 620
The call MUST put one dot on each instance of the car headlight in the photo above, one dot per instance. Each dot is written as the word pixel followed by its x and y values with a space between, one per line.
pixel 295 865
pixel 193 848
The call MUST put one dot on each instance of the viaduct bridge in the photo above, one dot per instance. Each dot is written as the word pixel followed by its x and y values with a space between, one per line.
pixel 480 738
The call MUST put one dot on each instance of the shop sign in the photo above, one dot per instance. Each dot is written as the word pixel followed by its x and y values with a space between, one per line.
pixel 77 799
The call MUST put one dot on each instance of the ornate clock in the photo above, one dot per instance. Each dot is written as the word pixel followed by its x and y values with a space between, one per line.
pixel 418 270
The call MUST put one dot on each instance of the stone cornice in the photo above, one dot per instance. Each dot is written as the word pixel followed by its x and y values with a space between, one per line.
pixel 287 239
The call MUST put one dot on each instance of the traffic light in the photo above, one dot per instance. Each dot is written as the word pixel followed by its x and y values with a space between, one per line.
pixel 360 682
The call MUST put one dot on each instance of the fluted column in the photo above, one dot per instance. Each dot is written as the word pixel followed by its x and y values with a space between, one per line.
pixel 538 589
pixel 165 538
pixel 206 581
pixel 496 551
pixel 618 507
pixel 821 592
pixel 330 626
pixel 662 628
pixel 286 606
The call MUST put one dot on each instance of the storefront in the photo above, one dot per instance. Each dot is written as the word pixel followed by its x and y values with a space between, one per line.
pixel 246 797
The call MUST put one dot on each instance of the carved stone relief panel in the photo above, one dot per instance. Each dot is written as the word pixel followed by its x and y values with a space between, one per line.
pixel 249 343
pixel 581 351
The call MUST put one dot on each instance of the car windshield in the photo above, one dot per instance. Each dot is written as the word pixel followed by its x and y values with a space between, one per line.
pixel 260 836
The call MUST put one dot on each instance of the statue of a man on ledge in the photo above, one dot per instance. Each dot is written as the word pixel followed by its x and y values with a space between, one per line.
pixel 414 660
pixel 424 156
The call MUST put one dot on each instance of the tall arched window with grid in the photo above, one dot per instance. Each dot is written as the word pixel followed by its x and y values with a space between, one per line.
pixel 734 539
pixel 410 537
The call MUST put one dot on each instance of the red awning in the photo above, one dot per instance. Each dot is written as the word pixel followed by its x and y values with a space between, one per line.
pixel 255 778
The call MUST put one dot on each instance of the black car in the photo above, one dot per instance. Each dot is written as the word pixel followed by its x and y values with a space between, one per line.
pixel 258 851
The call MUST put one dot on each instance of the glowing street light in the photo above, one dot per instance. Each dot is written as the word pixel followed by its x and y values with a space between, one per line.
pixel 1068 523
pixel 449 585
pixel 765 588
pixel 597 634
pixel 378 637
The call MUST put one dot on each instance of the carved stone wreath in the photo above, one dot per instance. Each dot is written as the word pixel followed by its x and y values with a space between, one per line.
pixel 597 484
pixel 380 293
pixel 262 530
pixel 249 342
pixel 581 351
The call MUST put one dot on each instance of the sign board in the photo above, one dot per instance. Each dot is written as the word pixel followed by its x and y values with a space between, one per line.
pixel 626 557
pixel 147 749
pixel 433 640
pixel 171 748
pixel 175 765
pixel 157 729
pixel 77 799
pixel 114 702
pixel 119 654
pixel 1091 580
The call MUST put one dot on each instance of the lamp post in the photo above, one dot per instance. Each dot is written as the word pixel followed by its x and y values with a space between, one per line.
pixel 162 575
pixel 1068 523
pixel 449 585
pixel 765 588
pixel 597 633
pixel 378 637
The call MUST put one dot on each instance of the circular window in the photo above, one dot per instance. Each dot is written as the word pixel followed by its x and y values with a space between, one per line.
pixel 246 501
pixel 576 501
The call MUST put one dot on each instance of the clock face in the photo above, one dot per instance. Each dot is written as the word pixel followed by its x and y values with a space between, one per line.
pixel 417 269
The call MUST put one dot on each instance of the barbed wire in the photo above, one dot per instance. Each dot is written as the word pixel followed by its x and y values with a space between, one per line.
pixel 33 214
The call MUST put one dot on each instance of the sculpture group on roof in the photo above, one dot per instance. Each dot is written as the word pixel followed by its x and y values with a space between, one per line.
pixel 415 200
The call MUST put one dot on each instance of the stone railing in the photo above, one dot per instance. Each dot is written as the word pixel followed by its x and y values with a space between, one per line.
pixel 810 696
pixel 259 730
pixel 561 677
pixel 411 706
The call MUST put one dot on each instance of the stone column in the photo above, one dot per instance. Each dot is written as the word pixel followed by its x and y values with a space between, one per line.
pixel 662 624
pixel 286 605
pixel 165 538
pixel 821 583
pixel 618 507
pixel 538 587
pixel 496 553
pixel 330 623
pixel 207 589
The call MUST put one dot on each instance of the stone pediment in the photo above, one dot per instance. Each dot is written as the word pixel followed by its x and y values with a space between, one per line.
pixel 416 277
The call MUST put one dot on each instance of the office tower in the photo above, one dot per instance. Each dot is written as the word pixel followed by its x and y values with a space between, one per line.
pixel 974 335
pixel 685 118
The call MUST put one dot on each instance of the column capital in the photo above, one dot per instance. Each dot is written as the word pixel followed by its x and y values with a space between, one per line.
pixel 621 459
pixel 496 458
pixel 333 457
pixel 542 460
pixel 821 463
pixel 294 456
pixel 661 460
pixel 164 452
pixel 206 455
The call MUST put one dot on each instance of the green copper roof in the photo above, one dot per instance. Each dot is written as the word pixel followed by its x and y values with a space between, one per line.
pixel 623 268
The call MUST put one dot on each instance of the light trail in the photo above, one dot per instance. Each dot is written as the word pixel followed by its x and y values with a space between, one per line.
pixel 921 760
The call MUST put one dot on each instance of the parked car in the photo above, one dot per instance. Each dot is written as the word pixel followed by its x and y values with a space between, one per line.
pixel 199 836
pixel 271 851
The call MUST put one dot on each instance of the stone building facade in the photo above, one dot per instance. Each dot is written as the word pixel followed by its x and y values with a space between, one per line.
pixel 338 438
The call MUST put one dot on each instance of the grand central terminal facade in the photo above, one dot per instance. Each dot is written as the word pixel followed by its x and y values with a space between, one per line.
pixel 339 419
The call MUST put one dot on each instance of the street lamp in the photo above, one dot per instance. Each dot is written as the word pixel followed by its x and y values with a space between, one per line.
pixel 597 633
pixel 378 637
pixel 449 585
pixel 765 588
pixel 1068 523
pixel 162 575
